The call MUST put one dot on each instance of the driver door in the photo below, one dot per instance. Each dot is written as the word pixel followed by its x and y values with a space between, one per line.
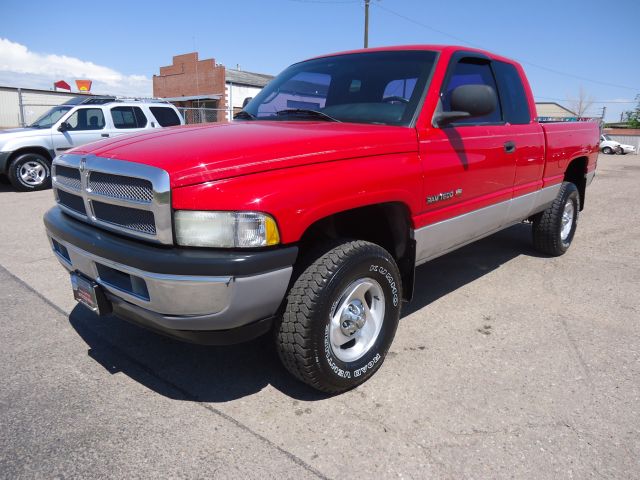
pixel 468 167
pixel 83 126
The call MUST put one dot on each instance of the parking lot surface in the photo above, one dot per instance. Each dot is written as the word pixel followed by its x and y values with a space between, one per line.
pixel 506 364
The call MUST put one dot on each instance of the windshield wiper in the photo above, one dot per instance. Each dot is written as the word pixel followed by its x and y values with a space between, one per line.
pixel 246 115
pixel 304 111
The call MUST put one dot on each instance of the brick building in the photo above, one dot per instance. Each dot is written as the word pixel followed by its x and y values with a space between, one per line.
pixel 190 82
pixel 194 83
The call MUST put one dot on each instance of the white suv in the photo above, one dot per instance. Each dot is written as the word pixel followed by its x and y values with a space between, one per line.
pixel 26 153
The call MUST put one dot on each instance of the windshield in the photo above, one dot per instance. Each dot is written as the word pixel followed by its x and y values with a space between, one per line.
pixel 51 117
pixel 606 137
pixel 377 87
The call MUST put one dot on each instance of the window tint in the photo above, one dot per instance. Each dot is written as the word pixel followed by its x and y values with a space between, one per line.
pixel 128 117
pixel 371 87
pixel 86 119
pixel 512 96
pixel 402 88
pixel 304 90
pixel 166 117
pixel 471 72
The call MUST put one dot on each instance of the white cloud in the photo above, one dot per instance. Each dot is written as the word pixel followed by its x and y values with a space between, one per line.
pixel 21 67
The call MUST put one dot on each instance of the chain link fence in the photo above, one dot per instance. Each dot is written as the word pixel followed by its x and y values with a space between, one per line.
pixel 202 115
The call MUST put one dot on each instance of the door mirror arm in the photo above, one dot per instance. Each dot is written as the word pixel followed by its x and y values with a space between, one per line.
pixel 441 119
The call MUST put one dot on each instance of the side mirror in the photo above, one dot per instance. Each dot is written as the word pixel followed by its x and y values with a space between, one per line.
pixel 246 100
pixel 64 126
pixel 468 101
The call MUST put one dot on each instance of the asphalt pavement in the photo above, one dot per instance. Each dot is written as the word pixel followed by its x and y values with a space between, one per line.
pixel 507 364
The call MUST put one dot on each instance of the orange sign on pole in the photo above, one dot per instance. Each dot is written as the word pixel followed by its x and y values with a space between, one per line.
pixel 83 85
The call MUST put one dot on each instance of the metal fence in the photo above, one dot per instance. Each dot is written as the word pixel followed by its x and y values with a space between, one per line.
pixel 202 115
pixel 627 140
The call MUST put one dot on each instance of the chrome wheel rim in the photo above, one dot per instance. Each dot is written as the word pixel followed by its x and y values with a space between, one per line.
pixel 32 173
pixel 567 220
pixel 357 319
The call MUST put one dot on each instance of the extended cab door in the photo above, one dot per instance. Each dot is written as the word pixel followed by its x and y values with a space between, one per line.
pixel 524 130
pixel 84 125
pixel 469 167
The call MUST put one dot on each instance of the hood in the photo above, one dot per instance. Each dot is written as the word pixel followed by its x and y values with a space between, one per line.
pixel 197 154
pixel 23 132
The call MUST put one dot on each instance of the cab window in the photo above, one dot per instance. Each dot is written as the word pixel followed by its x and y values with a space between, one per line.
pixel 471 71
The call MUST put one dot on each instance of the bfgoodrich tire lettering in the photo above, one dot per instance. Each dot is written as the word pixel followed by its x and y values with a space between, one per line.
pixel 554 228
pixel 304 335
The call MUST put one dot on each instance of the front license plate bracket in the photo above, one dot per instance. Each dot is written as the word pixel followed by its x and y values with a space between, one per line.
pixel 90 294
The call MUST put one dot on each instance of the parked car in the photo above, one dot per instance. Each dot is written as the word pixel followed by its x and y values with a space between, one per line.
pixel 26 153
pixel 610 146
pixel 307 216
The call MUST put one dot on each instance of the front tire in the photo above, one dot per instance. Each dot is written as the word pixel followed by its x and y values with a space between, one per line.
pixel 555 227
pixel 607 150
pixel 341 316
pixel 30 171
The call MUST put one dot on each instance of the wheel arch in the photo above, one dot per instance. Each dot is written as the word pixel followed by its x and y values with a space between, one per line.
pixel 46 153
pixel 575 173
pixel 386 224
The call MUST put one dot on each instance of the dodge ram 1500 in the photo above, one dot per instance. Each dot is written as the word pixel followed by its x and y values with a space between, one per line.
pixel 307 215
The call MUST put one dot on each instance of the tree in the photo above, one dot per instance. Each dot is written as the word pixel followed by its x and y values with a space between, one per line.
pixel 581 104
pixel 632 117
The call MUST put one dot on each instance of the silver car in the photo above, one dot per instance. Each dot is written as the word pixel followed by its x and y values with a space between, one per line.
pixel 26 153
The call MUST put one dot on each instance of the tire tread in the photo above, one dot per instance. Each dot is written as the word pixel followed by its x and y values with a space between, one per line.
pixel 293 338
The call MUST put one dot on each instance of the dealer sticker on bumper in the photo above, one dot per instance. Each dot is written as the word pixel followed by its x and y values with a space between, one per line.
pixel 88 293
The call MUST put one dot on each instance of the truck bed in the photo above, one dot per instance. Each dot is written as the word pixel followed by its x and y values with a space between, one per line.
pixel 565 141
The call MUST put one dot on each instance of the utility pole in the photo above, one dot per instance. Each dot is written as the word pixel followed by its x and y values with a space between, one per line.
pixel 366 23
pixel 604 110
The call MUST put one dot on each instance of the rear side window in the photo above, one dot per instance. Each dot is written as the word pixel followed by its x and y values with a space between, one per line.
pixel 471 72
pixel 166 117
pixel 128 117
pixel 512 96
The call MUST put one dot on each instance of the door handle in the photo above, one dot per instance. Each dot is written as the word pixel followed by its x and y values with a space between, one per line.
pixel 509 147
pixel 104 135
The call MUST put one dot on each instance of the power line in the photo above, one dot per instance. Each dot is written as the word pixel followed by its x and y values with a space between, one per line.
pixel 472 44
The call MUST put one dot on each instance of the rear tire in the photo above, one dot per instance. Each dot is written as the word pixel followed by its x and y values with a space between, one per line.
pixel 555 227
pixel 341 316
pixel 30 171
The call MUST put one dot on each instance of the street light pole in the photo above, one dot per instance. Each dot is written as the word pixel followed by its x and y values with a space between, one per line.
pixel 366 23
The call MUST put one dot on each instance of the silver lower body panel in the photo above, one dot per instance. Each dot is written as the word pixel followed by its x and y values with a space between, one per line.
pixel 183 302
pixel 443 237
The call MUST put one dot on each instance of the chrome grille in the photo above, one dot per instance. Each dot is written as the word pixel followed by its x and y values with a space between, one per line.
pixel 125 197
pixel 129 218
pixel 118 186
pixel 68 176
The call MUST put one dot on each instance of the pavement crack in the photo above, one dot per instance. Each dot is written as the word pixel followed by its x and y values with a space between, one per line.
pixel 573 345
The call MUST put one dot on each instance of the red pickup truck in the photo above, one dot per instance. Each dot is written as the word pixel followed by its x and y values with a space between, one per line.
pixel 308 214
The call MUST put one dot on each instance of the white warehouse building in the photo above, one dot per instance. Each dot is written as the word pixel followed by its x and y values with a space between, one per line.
pixel 240 85
pixel 23 106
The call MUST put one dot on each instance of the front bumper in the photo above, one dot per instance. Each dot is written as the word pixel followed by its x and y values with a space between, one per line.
pixel 179 291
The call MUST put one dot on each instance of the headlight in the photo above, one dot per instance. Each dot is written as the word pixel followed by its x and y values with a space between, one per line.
pixel 225 229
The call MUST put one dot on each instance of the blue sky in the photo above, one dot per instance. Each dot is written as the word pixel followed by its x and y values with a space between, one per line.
pixel 123 43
